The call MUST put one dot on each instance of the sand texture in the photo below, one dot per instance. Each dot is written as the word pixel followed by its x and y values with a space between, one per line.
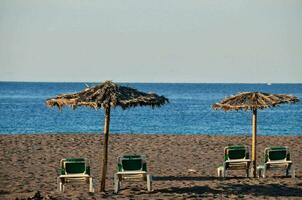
pixel 183 167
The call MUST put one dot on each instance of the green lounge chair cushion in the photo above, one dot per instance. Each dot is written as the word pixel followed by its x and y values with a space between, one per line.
pixel 75 159
pixel 278 148
pixel 63 171
pixel 74 168
pixel 75 165
pixel 131 163
pixel 277 153
pixel 131 157
pixel 236 152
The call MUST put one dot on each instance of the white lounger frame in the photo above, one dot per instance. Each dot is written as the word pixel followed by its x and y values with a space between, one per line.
pixel 234 164
pixel 68 178
pixel 131 176
pixel 276 164
pixel 119 177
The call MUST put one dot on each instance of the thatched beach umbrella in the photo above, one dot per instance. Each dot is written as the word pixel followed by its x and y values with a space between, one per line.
pixel 107 95
pixel 253 101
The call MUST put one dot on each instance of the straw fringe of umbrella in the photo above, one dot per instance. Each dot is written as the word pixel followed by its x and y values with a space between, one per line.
pixel 108 94
pixel 254 100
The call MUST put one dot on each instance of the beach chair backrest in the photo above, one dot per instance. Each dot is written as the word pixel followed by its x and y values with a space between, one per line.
pixel 236 152
pixel 278 153
pixel 75 165
pixel 132 163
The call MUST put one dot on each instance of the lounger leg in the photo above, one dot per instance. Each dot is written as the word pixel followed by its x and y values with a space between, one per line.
pixel 116 183
pixel 91 189
pixel 287 170
pixel 149 182
pixel 219 171
pixel 259 171
pixel 59 182
pixel 247 170
pixel 224 170
pixel 264 172
pixel 293 173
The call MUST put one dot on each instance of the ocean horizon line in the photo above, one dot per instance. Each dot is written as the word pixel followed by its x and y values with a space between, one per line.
pixel 138 82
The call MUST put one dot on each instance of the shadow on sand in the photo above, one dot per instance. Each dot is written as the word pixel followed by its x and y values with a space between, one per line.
pixel 193 178
pixel 189 190
pixel 272 190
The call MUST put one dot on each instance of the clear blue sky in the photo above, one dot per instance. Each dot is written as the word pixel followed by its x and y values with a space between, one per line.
pixel 151 40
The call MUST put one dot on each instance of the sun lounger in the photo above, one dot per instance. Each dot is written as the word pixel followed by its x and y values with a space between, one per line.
pixel 276 158
pixel 74 170
pixel 235 158
pixel 131 168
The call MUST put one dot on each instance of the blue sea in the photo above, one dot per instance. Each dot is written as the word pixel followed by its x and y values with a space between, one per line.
pixel 23 110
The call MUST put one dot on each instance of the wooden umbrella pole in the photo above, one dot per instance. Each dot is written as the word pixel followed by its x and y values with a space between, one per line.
pixel 105 151
pixel 254 142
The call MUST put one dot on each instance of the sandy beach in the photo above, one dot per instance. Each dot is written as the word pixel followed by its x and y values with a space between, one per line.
pixel 183 166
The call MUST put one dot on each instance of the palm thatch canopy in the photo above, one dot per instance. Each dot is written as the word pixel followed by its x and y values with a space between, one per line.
pixel 107 94
pixel 253 100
